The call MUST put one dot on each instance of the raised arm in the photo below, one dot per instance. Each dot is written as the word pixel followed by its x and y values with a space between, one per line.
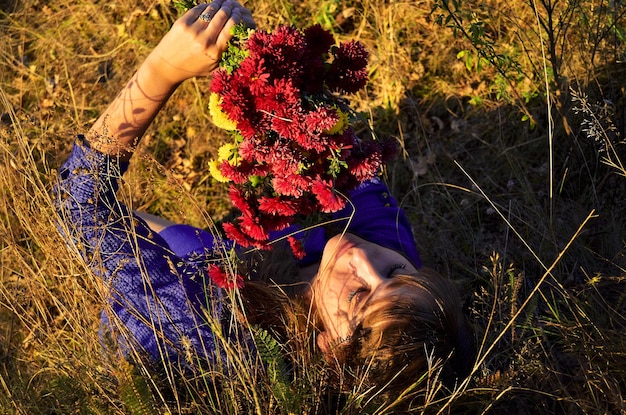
pixel 192 47
pixel 159 298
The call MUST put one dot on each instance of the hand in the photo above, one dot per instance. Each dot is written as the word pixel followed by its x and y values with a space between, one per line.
pixel 194 46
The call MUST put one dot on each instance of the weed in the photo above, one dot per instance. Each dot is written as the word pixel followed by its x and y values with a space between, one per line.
pixel 510 117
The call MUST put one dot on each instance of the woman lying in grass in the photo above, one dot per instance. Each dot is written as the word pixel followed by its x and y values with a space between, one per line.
pixel 377 311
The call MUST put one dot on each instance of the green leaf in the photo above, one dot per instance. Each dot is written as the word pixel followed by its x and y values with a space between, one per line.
pixel 236 52
pixel 476 101
pixel 255 180
pixel 184 5
pixel 270 352
pixel 135 392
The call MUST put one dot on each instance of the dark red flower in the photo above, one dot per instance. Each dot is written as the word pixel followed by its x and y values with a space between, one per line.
pixel 351 55
pixel 314 75
pixel 251 226
pixel 329 200
pixel 275 222
pixel 281 98
pixel 347 72
pixel 278 206
pixel 296 247
pixel 345 81
pixel 389 149
pixel 319 40
pixel 290 185
pixel 224 279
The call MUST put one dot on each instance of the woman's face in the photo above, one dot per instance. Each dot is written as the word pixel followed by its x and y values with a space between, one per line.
pixel 352 273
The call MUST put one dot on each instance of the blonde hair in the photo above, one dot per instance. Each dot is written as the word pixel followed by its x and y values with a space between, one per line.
pixel 396 342
pixel 403 336
pixel 271 299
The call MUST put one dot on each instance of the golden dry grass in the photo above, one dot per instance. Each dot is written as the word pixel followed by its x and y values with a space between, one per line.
pixel 512 124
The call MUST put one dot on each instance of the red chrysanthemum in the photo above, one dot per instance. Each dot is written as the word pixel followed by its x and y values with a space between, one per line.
pixel 347 73
pixel 296 247
pixel 223 279
pixel 237 235
pixel 291 161
pixel 240 174
pixel 282 50
pixel 321 119
pixel 279 96
pixel 278 206
pixel 329 200
pixel 367 163
pixel 252 226
pixel 276 222
pixel 239 200
pixel 283 161
pixel 291 185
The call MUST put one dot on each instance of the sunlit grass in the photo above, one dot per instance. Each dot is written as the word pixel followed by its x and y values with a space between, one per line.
pixel 525 214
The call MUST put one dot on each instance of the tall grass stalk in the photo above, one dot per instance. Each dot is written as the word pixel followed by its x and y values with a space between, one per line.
pixel 472 101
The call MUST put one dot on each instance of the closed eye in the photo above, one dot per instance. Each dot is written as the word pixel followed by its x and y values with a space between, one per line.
pixel 394 268
pixel 356 294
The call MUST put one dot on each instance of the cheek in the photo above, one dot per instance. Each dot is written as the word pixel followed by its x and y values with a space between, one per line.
pixel 320 298
pixel 326 299
pixel 328 307
pixel 327 282
pixel 323 317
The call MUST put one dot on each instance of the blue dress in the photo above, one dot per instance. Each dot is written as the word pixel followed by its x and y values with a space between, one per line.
pixel 157 283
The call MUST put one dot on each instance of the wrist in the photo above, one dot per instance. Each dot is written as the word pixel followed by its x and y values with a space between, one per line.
pixel 154 76
pixel 118 130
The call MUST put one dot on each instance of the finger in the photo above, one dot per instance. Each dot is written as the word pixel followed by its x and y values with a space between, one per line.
pixel 241 15
pixel 228 6
pixel 236 16
pixel 210 32
pixel 247 19
pixel 221 16
pixel 194 13
pixel 209 12
pixel 226 33
pixel 244 15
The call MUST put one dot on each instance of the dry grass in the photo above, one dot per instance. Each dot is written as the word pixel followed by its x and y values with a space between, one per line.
pixel 512 174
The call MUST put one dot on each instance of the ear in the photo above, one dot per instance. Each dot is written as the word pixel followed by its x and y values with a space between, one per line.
pixel 323 342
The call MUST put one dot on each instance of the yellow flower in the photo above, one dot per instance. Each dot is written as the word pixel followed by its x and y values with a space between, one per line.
pixel 219 117
pixel 216 173
pixel 342 123
pixel 228 152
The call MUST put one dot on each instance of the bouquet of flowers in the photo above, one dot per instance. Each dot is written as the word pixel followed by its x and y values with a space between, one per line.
pixel 294 152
